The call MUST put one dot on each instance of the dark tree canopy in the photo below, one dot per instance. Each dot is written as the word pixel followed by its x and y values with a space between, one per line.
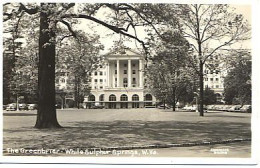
pixel 237 83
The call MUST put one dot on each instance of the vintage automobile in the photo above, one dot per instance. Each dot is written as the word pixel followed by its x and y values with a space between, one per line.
pixel 246 109
pixel 32 106
pixel 11 107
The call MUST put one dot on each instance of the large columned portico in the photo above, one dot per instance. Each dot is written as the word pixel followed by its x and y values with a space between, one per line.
pixel 118 74
pixel 129 73
pixel 140 73
pixel 124 73
pixel 120 83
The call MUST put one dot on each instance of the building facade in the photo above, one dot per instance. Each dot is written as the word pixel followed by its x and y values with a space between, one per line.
pixel 120 82
pixel 214 74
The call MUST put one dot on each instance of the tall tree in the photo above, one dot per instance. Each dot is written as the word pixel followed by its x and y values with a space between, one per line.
pixel 78 58
pixel 210 28
pixel 237 83
pixel 168 74
pixel 132 15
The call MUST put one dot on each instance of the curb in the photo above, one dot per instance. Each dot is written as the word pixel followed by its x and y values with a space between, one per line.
pixel 173 145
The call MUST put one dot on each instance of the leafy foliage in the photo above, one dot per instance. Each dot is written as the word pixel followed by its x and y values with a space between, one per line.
pixel 78 58
pixel 169 76
pixel 237 84
pixel 209 96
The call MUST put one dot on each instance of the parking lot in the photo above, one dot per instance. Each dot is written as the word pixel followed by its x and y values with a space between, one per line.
pixel 104 128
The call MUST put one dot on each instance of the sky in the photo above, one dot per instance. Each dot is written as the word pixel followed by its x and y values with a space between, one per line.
pixel 107 41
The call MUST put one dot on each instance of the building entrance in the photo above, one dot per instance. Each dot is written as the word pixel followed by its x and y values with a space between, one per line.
pixel 124 105
pixel 135 105
pixel 112 105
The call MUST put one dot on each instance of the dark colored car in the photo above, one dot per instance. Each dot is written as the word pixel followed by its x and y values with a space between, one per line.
pixel 98 107
pixel 58 106
pixel 4 107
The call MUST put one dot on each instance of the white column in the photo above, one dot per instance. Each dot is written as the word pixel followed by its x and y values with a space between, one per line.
pixel 140 73
pixel 108 74
pixel 117 66
pixel 129 73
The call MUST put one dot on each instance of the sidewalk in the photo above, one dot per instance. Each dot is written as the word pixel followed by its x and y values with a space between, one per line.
pixel 102 128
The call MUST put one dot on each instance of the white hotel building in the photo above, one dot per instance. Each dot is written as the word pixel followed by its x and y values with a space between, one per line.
pixel 120 82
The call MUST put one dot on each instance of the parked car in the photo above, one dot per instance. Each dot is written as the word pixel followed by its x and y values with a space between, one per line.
pixel 227 107
pixel 32 106
pixel 22 106
pixel 190 108
pixel 98 106
pixel 162 106
pixel 235 108
pixel 246 109
pixel 58 106
pixel 4 107
pixel 11 107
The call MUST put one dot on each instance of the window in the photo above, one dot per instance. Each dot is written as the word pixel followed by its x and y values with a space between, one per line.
pixel 125 82
pixel 134 80
pixel 115 65
pixel 124 98
pixel 101 87
pixel 91 98
pixel 217 86
pixel 133 71
pixel 211 72
pixel 125 71
pixel 112 98
pixel 100 73
pixel 125 65
pixel 133 65
pixel 206 79
pixel 95 73
pixel 135 97
pixel 95 80
pixel 115 71
pixel 216 79
pixel 101 97
pixel 101 80
pixel 211 79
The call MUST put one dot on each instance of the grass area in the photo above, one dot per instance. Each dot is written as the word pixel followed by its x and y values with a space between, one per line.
pixel 129 127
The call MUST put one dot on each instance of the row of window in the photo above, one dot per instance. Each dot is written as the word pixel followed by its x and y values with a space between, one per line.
pixel 100 80
pixel 211 79
pixel 211 72
pixel 123 97
pixel 100 73
pixel 216 86
pixel 125 65
pixel 125 71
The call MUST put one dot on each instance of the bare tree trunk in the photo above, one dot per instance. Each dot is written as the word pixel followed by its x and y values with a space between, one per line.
pixel 174 99
pixel 46 113
pixel 201 93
